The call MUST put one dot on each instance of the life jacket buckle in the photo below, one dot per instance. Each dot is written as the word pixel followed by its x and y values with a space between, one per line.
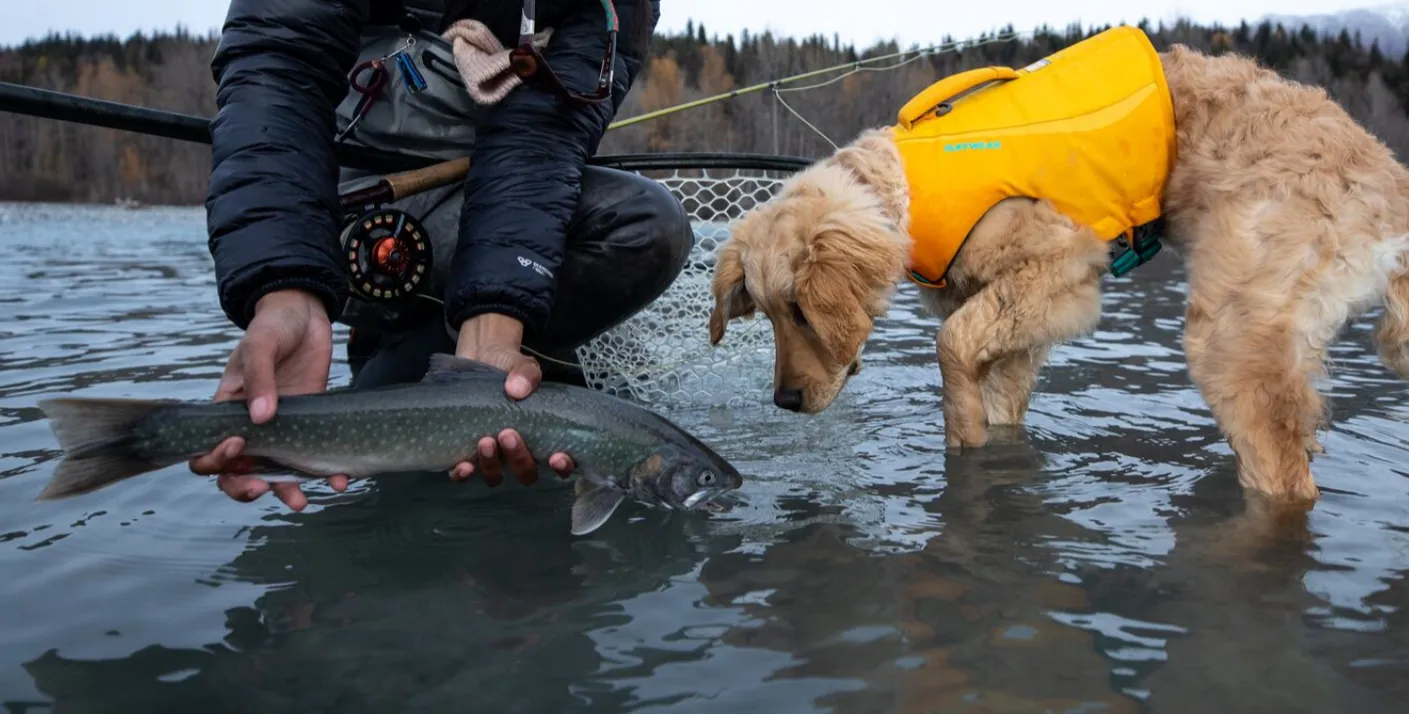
pixel 1137 247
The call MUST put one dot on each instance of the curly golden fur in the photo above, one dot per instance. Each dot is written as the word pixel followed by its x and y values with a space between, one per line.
pixel 1291 218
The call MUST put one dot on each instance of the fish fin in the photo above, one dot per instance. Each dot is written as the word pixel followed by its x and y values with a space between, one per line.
pixel 588 478
pixel 593 506
pixel 445 367
pixel 98 442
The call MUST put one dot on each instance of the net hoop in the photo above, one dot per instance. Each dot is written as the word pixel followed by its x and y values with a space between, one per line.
pixel 661 355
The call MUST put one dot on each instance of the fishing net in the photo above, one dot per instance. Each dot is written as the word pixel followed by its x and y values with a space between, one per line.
pixel 662 354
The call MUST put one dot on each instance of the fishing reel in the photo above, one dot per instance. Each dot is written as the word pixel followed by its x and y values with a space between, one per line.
pixel 388 254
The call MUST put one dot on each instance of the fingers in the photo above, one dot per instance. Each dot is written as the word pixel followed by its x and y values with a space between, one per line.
pixel 290 494
pixel 231 384
pixel 489 462
pixel 261 389
pixel 241 488
pixel 562 464
pixel 245 488
pixel 490 456
pixel 462 471
pixel 523 378
pixel 224 461
pixel 248 488
pixel 219 459
pixel 520 460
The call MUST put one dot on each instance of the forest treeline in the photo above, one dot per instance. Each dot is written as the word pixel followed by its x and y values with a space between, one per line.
pixel 48 160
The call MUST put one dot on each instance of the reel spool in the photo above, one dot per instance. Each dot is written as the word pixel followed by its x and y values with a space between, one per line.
pixel 388 255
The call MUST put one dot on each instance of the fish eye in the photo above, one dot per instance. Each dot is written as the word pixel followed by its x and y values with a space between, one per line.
pixel 706 478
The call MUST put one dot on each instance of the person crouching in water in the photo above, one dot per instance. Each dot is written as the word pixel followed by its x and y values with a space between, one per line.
pixel 550 251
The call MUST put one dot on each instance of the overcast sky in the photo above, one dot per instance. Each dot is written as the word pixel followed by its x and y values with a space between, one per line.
pixel 859 21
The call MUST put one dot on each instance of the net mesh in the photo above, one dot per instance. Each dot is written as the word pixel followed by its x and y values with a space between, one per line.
pixel 662 354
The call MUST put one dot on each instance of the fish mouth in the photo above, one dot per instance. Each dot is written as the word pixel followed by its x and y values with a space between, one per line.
pixel 716 507
pixel 704 498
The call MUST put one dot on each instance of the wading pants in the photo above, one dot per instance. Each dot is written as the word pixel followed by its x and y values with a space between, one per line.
pixel 626 243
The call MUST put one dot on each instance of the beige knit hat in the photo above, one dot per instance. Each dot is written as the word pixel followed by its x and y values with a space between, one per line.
pixel 483 61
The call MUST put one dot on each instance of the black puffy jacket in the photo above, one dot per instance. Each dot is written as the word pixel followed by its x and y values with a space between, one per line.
pixel 272 206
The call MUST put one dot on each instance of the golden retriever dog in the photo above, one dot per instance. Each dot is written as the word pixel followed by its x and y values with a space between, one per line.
pixel 1289 216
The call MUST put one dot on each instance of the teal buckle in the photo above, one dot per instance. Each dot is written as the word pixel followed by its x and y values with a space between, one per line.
pixel 1138 250
pixel 926 282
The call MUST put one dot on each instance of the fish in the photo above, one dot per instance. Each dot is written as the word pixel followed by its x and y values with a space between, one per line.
pixel 620 449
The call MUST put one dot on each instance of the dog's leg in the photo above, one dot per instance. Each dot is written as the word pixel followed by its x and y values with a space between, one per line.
pixel 1256 379
pixel 1013 315
pixel 1007 390
pixel 1198 330
pixel 965 423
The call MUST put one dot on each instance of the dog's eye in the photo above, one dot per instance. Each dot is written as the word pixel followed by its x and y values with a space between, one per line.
pixel 798 317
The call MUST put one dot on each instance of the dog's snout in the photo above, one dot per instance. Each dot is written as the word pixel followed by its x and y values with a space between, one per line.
pixel 787 398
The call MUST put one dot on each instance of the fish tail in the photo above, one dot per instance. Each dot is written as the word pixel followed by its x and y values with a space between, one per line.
pixel 99 443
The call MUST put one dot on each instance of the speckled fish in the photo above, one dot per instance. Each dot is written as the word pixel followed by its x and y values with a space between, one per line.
pixel 620 449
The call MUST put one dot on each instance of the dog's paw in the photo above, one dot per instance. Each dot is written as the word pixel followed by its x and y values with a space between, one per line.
pixel 961 439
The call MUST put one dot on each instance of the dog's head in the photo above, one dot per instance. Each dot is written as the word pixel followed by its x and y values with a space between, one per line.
pixel 821 262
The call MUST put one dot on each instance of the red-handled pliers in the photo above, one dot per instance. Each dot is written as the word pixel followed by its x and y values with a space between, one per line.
pixel 371 91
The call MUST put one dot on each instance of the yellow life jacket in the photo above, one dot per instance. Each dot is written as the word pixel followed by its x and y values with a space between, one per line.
pixel 1089 128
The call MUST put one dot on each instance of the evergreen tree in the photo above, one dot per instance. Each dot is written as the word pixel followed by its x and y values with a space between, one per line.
pixel 51 160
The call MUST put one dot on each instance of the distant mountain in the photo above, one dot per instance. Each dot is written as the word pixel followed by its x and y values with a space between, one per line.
pixel 1386 24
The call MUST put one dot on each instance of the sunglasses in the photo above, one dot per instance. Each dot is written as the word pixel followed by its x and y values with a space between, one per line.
pixel 526 61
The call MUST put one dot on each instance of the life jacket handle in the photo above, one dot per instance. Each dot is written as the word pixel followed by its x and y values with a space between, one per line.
pixel 948 89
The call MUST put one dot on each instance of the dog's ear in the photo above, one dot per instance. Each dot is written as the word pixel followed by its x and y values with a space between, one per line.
pixel 731 299
pixel 844 283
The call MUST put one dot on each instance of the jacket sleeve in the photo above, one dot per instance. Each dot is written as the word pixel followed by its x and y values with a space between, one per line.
pixel 272 206
pixel 522 186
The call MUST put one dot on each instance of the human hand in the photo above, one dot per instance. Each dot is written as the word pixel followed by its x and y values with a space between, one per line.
pixel 494 340
pixel 287 349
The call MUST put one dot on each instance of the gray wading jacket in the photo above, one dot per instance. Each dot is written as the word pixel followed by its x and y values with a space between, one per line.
pixel 272 203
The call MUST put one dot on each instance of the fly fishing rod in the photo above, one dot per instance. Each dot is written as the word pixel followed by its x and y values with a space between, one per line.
pixel 49 104
pixel 416 173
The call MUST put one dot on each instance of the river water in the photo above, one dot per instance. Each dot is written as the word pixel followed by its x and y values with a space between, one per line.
pixel 1102 561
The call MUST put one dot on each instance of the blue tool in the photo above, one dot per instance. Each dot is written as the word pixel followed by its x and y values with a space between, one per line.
pixel 410 75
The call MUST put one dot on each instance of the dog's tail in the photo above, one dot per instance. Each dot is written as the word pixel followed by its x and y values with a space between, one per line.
pixel 1392 333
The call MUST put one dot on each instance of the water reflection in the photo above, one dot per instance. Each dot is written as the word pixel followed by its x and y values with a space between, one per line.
pixel 404 600
pixel 1103 559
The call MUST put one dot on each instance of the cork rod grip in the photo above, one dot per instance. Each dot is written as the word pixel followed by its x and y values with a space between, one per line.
pixel 412 182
